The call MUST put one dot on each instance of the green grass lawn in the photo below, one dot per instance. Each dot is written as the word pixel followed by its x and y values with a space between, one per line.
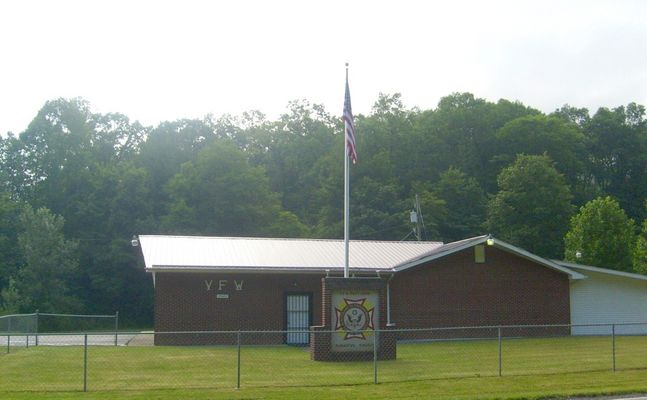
pixel 531 368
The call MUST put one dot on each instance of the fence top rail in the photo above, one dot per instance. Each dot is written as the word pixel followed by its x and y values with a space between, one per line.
pixel 60 315
pixel 75 315
pixel 18 315
pixel 397 329
pixel 303 331
pixel 519 326
pixel 78 333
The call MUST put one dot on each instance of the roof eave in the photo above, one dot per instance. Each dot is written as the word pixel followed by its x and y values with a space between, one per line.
pixel 602 270
pixel 573 275
pixel 440 254
pixel 265 270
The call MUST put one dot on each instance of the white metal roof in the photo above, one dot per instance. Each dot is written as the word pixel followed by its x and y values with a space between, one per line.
pixel 450 248
pixel 602 270
pixel 196 253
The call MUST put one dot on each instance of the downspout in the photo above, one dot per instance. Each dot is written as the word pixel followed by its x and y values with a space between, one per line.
pixel 388 300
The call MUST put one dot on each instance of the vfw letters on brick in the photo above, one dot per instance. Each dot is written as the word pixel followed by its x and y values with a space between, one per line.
pixel 221 285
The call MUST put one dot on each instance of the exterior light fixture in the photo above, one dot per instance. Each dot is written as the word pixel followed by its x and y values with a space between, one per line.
pixel 135 241
pixel 490 241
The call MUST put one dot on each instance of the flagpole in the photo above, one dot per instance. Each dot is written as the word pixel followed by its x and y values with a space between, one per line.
pixel 346 199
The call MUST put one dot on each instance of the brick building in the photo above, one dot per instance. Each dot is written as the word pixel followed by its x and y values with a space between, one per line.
pixel 229 284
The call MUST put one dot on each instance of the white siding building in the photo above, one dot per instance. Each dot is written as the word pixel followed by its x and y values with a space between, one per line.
pixel 607 297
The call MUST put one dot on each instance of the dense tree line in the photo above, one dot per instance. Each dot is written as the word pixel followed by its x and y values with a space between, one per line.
pixel 77 185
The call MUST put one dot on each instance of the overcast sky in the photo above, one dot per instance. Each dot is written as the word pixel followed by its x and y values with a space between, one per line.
pixel 163 60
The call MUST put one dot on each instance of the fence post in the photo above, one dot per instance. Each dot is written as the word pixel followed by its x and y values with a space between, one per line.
pixel 8 343
pixel 500 355
pixel 116 326
pixel 375 343
pixel 37 315
pixel 85 362
pixel 238 363
pixel 613 345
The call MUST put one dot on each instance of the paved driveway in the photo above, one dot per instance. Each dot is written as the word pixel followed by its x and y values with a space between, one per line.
pixel 68 340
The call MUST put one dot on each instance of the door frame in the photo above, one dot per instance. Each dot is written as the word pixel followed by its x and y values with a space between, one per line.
pixel 285 313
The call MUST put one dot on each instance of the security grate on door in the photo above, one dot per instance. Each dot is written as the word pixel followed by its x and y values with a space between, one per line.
pixel 298 319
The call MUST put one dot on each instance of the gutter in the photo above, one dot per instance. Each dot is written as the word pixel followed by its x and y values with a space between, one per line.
pixel 265 270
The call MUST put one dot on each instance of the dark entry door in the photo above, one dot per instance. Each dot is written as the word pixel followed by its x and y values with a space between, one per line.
pixel 298 319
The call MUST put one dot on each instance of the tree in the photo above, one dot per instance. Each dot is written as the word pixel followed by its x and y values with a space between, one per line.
pixel 562 141
pixel 220 193
pixel 80 165
pixel 168 146
pixel 291 149
pixel 578 116
pixel 112 277
pixel 531 206
pixel 617 155
pixel 601 234
pixel 14 173
pixel 640 251
pixel 376 211
pixel 10 257
pixel 460 133
pixel 49 264
pixel 465 204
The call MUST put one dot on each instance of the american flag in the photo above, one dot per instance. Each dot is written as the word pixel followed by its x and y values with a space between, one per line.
pixel 349 125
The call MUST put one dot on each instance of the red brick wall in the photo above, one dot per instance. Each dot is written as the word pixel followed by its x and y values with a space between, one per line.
pixel 183 303
pixel 456 291
pixel 452 291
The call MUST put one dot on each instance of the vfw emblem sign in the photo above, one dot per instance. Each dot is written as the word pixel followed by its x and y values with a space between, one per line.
pixel 354 318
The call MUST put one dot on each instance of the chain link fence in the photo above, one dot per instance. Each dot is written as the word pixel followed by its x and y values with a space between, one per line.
pixel 51 323
pixel 18 323
pixel 171 360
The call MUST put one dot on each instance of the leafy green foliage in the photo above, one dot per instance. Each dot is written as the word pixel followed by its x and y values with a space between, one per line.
pixel 465 203
pixel 531 205
pixel 222 194
pixel 618 155
pixel 50 263
pixel 640 251
pixel 602 234
pixel 563 142
pixel 10 258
